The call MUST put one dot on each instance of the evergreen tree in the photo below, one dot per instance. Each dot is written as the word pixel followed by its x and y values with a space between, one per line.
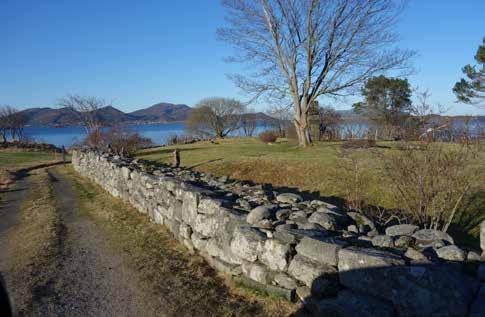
pixel 387 101
pixel 472 89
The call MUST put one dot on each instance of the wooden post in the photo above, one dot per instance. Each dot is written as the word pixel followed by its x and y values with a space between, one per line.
pixel 63 155
pixel 176 158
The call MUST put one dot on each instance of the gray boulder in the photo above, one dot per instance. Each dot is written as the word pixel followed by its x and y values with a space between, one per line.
pixel 359 259
pixel 275 254
pixel 363 223
pixel 248 243
pixel 451 253
pixel 473 257
pixel 298 216
pixel 283 214
pixel 383 241
pixel 416 257
pixel 285 281
pixel 426 237
pixel 306 271
pixel 401 230
pixel 403 242
pixel 325 220
pixel 321 250
pixel 289 198
pixel 255 272
pixel 259 213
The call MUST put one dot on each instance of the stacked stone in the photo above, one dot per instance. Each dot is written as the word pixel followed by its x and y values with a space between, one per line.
pixel 336 262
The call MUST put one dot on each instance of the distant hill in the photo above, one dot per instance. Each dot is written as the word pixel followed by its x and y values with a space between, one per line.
pixel 159 113
pixel 49 117
pixel 162 112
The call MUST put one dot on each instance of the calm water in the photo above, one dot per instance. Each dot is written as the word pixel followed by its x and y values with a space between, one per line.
pixel 67 136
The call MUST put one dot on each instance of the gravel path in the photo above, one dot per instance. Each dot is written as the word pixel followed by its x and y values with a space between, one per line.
pixel 9 214
pixel 87 277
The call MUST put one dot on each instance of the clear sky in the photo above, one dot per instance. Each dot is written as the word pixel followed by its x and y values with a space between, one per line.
pixel 137 53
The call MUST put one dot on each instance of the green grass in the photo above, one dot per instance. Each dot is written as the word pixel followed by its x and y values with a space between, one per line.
pixel 15 159
pixel 282 164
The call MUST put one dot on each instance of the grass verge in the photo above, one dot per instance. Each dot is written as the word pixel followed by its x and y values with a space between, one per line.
pixel 184 282
pixel 33 243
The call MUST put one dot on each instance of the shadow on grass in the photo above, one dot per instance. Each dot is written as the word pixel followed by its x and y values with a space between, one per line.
pixel 466 227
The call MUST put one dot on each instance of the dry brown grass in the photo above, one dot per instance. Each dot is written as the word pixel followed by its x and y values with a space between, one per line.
pixel 33 242
pixel 184 282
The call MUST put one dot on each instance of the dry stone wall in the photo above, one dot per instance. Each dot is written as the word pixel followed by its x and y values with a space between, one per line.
pixel 336 262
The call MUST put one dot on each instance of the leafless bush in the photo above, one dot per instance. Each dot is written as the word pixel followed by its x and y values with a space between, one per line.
pixel 118 139
pixel 353 177
pixel 431 181
pixel 268 136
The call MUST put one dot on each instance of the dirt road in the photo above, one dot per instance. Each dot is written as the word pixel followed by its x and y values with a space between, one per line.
pixel 87 278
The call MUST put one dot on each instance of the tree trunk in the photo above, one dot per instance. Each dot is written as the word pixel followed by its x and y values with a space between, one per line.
pixel 303 133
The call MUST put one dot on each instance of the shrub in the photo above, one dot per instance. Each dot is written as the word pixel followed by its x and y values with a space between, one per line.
pixel 353 178
pixel 431 181
pixel 268 136
pixel 118 139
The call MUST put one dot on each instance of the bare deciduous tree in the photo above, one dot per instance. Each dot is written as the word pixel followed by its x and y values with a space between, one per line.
pixel 11 122
pixel 280 118
pixel 85 109
pixel 306 49
pixel 249 122
pixel 215 117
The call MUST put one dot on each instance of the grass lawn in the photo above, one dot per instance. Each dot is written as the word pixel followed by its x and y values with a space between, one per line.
pixel 16 159
pixel 12 161
pixel 283 164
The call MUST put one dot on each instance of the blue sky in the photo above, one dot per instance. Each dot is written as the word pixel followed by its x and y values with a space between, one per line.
pixel 137 53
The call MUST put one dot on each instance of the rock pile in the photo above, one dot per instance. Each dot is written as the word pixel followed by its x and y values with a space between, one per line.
pixel 336 262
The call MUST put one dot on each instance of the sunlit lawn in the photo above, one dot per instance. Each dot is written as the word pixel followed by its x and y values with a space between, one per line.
pixel 15 159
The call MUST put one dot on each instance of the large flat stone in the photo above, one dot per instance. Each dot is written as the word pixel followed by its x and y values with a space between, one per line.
pixel 428 236
pixel 248 243
pixel 401 230
pixel 275 255
pixel 353 258
pixel 306 271
pixel 323 250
